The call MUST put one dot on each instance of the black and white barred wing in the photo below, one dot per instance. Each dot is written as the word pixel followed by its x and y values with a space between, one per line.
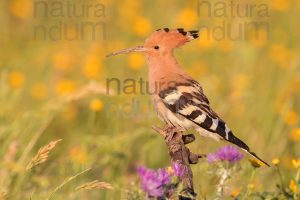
pixel 187 100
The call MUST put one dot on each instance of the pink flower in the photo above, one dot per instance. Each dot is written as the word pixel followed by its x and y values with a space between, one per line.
pixel 154 182
pixel 226 153
pixel 179 170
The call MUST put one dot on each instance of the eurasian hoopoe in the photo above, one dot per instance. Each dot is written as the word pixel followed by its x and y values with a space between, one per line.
pixel 179 99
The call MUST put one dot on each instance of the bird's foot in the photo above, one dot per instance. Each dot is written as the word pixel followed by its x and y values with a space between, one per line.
pixel 194 158
pixel 189 138
pixel 169 131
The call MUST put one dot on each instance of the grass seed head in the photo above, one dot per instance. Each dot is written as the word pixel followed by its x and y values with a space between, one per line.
pixel 94 185
pixel 42 155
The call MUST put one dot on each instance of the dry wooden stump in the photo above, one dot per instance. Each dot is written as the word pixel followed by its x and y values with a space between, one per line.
pixel 181 154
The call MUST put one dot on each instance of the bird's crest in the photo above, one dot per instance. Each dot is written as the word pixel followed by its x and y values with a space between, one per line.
pixel 172 37
pixel 165 39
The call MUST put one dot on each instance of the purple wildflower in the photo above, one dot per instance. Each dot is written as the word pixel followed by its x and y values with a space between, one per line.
pixel 212 157
pixel 163 176
pixel 226 153
pixel 230 154
pixel 153 182
pixel 178 169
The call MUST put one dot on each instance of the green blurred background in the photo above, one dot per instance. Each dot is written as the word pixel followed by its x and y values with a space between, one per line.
pixel 54 86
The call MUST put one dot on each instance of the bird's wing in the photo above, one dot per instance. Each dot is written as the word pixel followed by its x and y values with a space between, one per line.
pixel 188 100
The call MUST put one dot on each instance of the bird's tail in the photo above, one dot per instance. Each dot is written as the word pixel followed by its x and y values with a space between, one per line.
pixel 245 147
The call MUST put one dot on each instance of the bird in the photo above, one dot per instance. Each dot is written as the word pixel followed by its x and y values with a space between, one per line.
pixel 179 100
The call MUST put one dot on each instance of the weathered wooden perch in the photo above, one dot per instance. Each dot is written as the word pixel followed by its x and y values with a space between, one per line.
pixel 179 153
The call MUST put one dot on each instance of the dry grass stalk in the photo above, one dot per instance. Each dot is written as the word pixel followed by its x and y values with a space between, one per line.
pixel 66 182
pixel 91 88
pixel 94 185
pixel 42 155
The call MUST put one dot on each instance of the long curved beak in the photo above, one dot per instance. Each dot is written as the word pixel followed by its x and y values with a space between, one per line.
pixel 128 50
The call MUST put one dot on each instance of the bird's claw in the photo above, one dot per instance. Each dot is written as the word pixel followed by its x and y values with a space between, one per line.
pixel 194 158
pixel 188 138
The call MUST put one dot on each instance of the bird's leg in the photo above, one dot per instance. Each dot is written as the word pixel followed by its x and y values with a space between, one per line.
pixel 179 129
pixel 171 128
pixel 189 138
pixel 159 130
pixel 169 131
pixel 193 158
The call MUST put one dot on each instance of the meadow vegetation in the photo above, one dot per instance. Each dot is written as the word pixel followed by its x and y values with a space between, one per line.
pixel 62 136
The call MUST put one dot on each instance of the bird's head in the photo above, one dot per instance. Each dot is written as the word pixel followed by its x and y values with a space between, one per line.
pixel 162 41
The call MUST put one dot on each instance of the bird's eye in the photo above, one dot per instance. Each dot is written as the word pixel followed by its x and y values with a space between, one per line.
pixel 156 47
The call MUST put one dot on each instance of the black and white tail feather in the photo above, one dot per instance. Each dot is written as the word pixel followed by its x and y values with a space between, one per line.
pixel 188 102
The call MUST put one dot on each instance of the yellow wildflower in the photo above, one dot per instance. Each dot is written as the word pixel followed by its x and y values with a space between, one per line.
pixel 291 118
pixel 281 55
pixel 78 155
pixel 63 61
pixel 296 163
pixel 275 161
pixel 206 41
pixel 239 84
pixel 295 134
pixel 235 192
pixel 170 170
pixel 226 45
pixel 136 61
pixel 16 79
pixel 251 186
pixel 187 17
pixel 142 26
pixel 256 163
pixel 113 45
pixel 96 105
pixel 65 87
pixel 39 91
pixel 126 11
pixel 280 5
pixel 259 37
pixel 293 186
pixel 92 67
pixel 240 81
pixel 21 9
